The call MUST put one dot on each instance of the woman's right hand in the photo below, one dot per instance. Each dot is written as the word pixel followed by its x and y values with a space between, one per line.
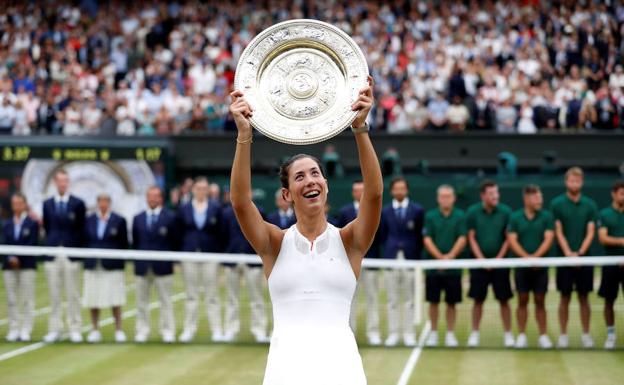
pixel 241 111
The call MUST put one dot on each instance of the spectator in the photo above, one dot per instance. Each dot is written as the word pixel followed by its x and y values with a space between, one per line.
pixel 20 123
pixel 457 115
pixel 91 117
pixel 7 116
pixel 399 121
pixel 438 109
pixel 506 116
pixel 466 49
pixel 71 120
pixel 526 124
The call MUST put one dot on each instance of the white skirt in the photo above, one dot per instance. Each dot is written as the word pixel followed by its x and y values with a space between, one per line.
pixel 314 359
pixel 103 288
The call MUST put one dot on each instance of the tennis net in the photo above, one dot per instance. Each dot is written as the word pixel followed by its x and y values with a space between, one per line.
pixel 213 297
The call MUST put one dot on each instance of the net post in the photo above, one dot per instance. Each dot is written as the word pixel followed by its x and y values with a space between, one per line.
pixel 418 295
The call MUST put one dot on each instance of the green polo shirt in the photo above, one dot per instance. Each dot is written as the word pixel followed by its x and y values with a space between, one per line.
pixel 444 231
pixel 613 221
pixel 531 231
pixel 574 217
pixel 490 228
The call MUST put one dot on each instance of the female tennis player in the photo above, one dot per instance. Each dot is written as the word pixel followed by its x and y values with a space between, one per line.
pixel 312 267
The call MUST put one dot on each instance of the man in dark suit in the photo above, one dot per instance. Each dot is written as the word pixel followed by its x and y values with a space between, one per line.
pixel 401 235
pixel 20 271
pixel 369 277
pixel 284 216
pixel 154 229
pixel 104 281
pixel 254 277
pixel 199 221
pixel 63 221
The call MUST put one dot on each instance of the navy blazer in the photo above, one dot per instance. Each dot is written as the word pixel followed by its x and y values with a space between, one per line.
pixel 163 236
pixel 115 237
pixel 65 229
pixel 402 234
pixel 236 241
pixel 274 218
pixel 206 239
pixel 345 216
pixel 28 236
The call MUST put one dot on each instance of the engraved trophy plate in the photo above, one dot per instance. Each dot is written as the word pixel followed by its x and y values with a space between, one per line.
pixel 301 78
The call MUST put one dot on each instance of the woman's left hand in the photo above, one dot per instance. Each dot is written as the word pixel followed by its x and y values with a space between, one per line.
pixel 363 104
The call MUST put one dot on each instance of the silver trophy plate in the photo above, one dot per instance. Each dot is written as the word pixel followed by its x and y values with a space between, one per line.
pixel 301 78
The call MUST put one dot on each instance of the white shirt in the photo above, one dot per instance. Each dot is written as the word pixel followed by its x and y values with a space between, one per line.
pixel 356 206
pixel 103 216
pixel 155 211
pixel 287 213
pixel 58 198
pixel 396 204
pixel 20 220
pixel 199 206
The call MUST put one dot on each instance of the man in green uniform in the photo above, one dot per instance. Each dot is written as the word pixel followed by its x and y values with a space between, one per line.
pixel 530 235
pixel 444 239
pixel 487 230
pixel 611 236
pixel 575 216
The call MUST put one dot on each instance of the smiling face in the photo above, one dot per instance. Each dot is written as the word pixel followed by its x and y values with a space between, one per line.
pixel 307 187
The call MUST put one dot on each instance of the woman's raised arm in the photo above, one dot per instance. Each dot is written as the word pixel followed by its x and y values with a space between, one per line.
pixel 359 234
pixel 264 237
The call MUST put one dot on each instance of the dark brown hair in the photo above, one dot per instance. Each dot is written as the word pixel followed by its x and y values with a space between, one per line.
pixel 531 189
pixel 285 167
pixel 486 184
pixel 618 184
pixel 19 194
pixel 398 179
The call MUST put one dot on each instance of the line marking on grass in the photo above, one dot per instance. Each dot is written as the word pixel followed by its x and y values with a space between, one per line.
pixel 85 328
pixel 413 358
pixel 22 350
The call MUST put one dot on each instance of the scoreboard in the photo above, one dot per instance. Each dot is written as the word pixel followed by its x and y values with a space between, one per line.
pixel 23 153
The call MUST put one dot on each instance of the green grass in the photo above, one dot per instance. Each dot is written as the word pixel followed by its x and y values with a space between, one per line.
pixel 483 366
pixel 243 363
pixel 156 364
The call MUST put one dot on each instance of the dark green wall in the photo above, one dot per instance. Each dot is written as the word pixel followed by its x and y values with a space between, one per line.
pixel 423 189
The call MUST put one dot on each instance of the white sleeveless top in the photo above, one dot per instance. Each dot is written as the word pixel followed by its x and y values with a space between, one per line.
pixel 311 287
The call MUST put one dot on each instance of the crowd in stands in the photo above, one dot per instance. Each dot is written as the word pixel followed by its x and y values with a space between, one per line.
pixel 166 68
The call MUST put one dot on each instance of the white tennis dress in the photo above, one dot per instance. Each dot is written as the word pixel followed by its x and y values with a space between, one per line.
pixel 311 287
